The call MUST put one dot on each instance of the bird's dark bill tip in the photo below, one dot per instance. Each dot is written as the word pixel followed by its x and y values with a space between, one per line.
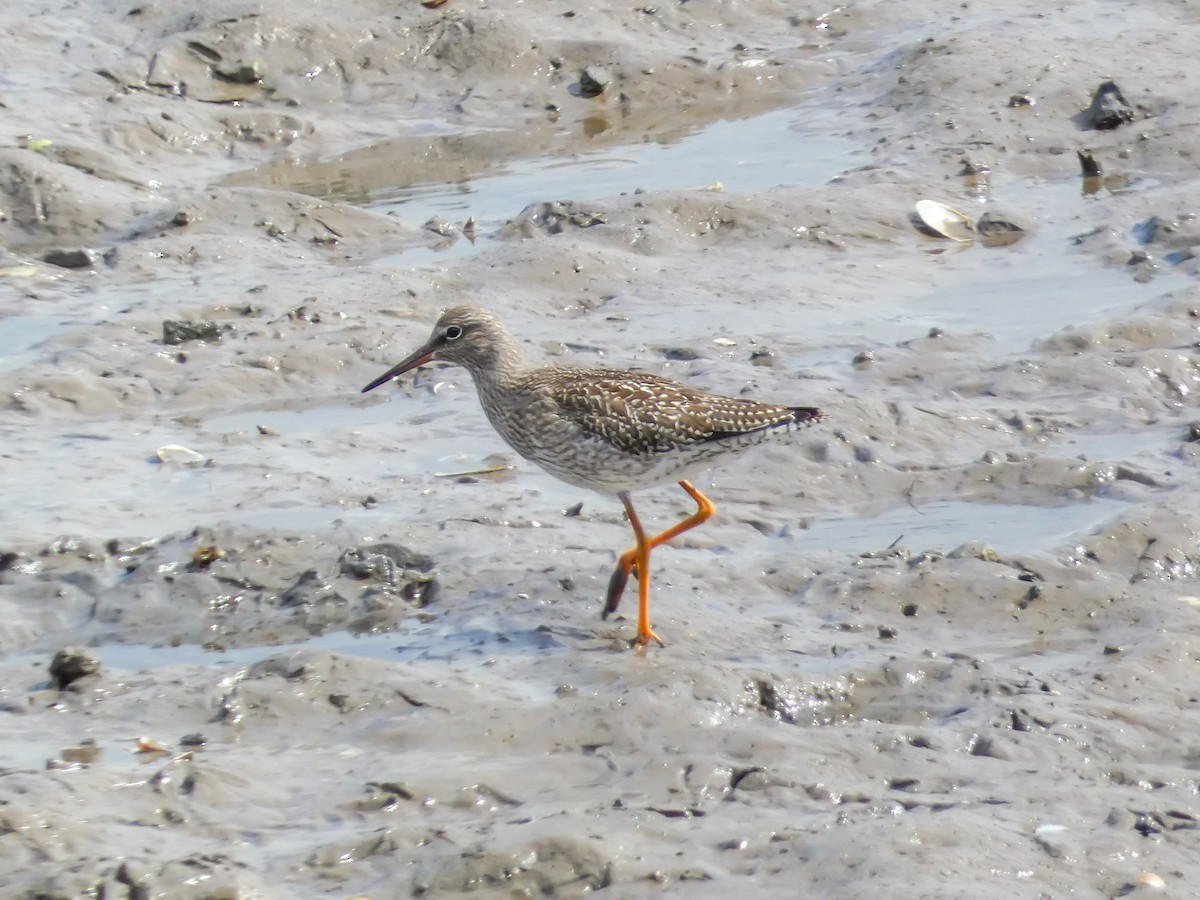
pixel 382 379
pixel 396 371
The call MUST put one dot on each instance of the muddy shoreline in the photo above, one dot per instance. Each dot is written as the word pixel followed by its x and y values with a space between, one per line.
pixel 943 645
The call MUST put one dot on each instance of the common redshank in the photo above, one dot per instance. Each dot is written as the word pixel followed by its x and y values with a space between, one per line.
pixel 606 430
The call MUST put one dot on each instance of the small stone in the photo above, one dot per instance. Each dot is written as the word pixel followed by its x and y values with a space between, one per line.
pixel 72 663
pixel 975 550
pixel 240 72
pixel 78 258
pixel 440 226
pixel 594 80
pixel 1108 109
pixel 178 331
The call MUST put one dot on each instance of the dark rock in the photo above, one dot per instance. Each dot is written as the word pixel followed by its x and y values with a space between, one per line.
pixel 78 258
pixel 552 217
pixel 594 80
pixel 239 71
pixel 440 226
pixel 72 663
pixel 1108 109
pixel 178 331
pixel 380 562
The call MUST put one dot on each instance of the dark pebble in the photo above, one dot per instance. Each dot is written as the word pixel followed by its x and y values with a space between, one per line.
pixel 72 663
pixel 177 331
pixel 1108 109
pixel 594 81
pixel 70 259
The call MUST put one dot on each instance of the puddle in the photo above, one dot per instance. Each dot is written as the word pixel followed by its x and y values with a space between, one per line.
pixel 446 645
pixel 1124 446
pixel 21 338
pixel 941 526
pixel 493 176
pixel 745 156
pixel 450 641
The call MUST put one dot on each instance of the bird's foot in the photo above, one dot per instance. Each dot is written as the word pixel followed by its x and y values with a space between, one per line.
pixel 644 638
pixel 616 587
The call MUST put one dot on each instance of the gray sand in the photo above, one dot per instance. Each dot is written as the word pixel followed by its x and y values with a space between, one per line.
pixel 946 644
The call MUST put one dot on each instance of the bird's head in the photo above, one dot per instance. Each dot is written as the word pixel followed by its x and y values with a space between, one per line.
pixel 468 336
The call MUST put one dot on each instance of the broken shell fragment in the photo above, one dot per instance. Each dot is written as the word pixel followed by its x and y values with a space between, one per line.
pixel 939 220
pixel 174 453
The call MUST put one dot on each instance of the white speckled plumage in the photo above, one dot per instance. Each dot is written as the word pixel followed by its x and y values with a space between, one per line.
pixel 607 430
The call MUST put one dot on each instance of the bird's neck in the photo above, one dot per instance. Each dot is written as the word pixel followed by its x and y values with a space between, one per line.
pixel 498 368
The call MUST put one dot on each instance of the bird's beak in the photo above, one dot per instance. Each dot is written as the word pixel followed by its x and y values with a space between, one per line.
pixel 422 356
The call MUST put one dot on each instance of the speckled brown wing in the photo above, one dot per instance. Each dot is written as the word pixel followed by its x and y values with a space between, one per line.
pixel 640 413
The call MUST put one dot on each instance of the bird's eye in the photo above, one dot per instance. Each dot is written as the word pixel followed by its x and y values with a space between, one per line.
pixel 454 332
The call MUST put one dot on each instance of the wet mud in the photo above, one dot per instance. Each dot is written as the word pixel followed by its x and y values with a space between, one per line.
pixel 263 636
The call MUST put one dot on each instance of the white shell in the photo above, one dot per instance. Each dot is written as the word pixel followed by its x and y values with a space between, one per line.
pixel 174 453
pixel 945 220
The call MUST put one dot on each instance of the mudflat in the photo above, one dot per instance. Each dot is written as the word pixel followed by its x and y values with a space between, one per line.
pixel 263 636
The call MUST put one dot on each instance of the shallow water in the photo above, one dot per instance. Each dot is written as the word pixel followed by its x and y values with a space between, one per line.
pixel 780 148
pixel 941 526
pixel 23 336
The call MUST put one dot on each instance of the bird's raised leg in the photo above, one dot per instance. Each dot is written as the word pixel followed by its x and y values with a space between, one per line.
pixel 629 560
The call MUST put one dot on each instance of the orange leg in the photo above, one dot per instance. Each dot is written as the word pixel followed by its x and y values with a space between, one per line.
pixel 638 559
